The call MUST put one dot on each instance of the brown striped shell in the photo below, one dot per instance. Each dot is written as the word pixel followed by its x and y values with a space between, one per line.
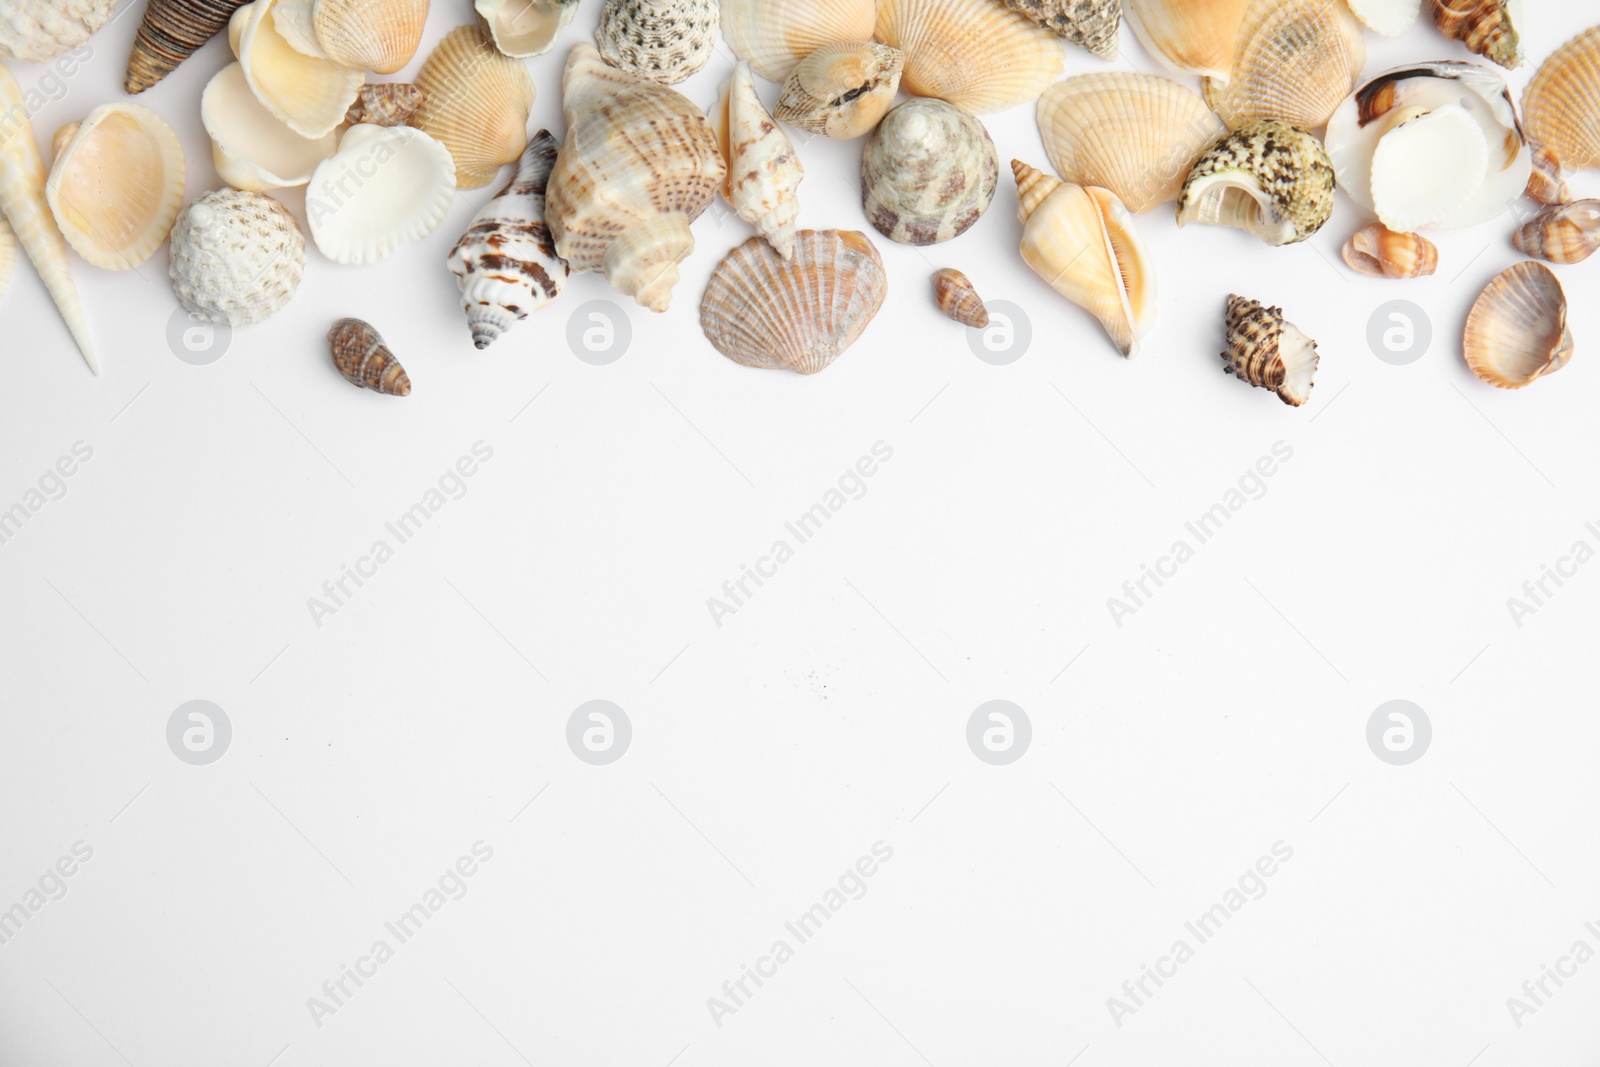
pixel 361 356
pixel 1517 330
pixel 1561 107
pixel 1484 26
pixel 956 297
pixel 170 33
pixel 1269 352
pixel 1562 233
pixel 1379 252
pixel 384 104
pixel 928 172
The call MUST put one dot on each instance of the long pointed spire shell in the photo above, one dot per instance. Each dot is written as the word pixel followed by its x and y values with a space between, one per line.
pixel 171 32
pixel 764 170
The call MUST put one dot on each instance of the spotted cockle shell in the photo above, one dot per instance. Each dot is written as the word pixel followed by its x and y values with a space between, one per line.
pixel 1379 252
pixel 35 31
pixel 841 90
pixel 774 35
pixel 385 188
pixel 1094 24
pixel 798 314
pixel 956 297
pixel 1517 330
pixel 237 257
pixel 524 28
pixel 1390 18
pixel 379 35
pixel 1486 27
pixel 975 54
pixel 1266 178
pixel 764 170
pixel 361 356
pixel 384 104
pixel 639 164
pixel 1546 185
pixel 1297 60
pixel 1562 233
pixel 1189 36
pixel 1269 352
pixel 475 103
pixel 506 262
pixel 1562 103
pixel 171 31
pixel 309 93
pixel 667 40
pixel 1081 241
pixel 250 146
pixel 928 172
pixel 1135 134
pixel 116 184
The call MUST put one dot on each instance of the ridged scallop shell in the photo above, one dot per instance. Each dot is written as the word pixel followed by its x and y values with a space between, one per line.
pixel 385 188
pixel 250 146
pixel 928 172
pixel 171 32
pixel 1562 104
pixel 365 361
pixel 36 31
pixel 800 314
pixel 956 297
pixel 1379 252
pixel 639 164
pixel 1091 24
pixel 1189 36
pixel 1267 178
pixel 475 103
pixel 385 104
pixel 116 184
pixel 1517 329
pixel 1389 18
pixel 1269 352
pixel 1081 241
pixel 973 53
pixel 841 90
pixel 379 35
pixel 1486 27
pixel 1546 184
pixel 237 257
pixel 774 35
pixel 523 28
pixel 666 40
pixel 1135 134
pixel 1562 233
pixel 764 170
pixel 506 263
pixel 309 93
pixel 1296 62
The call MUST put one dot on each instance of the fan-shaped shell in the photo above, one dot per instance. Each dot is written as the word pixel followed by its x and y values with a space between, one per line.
pixel 475 103
pixel 1092 24
pixel 237 257
pixel 386 187
pixel 250 146
pixel 667 40
pixel 116 184
pixel 309 93
pixel 774 35
pixel 841 90
pixel 975 54
pixel 36 31
pixel 1297 60
pixel 1268 351
pixel 928 172
pixel 1562 233
pixel 1517 330
pixel 169 33
pixel 1268 179
pixel 764 170
pixel 1189 36
pixel 380 35
pixel 1379 252
pixel 1487 27
pixel 523 28
pixel 1562 104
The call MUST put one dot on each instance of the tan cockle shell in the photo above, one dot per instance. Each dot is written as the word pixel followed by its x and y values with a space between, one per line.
pixel 764 170
pixel 956 297
pixel 1093 24
pixel 116 184
pixel 36 31
pixel 237 257
pixel 386 187
pixel 364 360
pixel 1269 352
pixel 1379 252
pixel 841 90
pixel 1562 233
pixel 171 31
pixel 1296 62
pixel 309 93
pixel 1517 330
pixel 379 35
pixel 1561 107
pixel 774 35
pixel 1486 27
pixel 250 146
pixel 975 54
pixel 667 40
pixel 524 28
pixel 384 104
pixel 1189 36
pixel 475 103
pixel 928 173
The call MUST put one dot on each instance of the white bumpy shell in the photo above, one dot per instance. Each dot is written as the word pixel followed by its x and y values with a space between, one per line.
pixel 237 257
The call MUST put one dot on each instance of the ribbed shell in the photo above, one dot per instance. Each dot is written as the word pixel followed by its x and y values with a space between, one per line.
pixel 116 185
pixel 1093 24
pixel 666 40
pixel 764 170
pixel 1296 63
pixel 1561 107
pixel 1517 329
pixel 1562 233
pixel 379 35
pixel 1268 352
pixel 237 257
pixel 384 104
pixel 773 35
pixel 310 93
pixel 841 90
pixel 1486 27
pixel 958 299
pixel 973 53
pixel 1379 252
pixel 361 356
pixel 1189 36
pixel 1267 178
pixel 171 32
pixel 798 315
pixel 928 172
pixel 475 103
pixel 35 31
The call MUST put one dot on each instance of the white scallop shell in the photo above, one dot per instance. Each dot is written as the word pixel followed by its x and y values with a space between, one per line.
pixel 386 187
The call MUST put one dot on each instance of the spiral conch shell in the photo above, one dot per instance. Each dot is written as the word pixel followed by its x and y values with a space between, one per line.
pixel 1486 27
pixel 1562 104
pixel 975 54
pixel 1379 252
pixel 667 40
pixel 524 28
pixel 506 262
pixel 1268 351
pixel 928 172
pixel 764 170
pixel 172 31
pixel 237 257
pixel 1296 61
pixel 1562 233
pixel 475 103
pixel 1081 241
pixel 841 90
pixel 639 164
pixel 1267 178
pixel 956 297
pixel 1517 330
pixel 116 184
pixel 35 31
pixel 365 361
pixel 774 35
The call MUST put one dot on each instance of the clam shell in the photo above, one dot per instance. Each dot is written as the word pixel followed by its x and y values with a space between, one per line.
pixel 1562 104
pixel 1379 252
pixel 775 35
pixel 385 187
pixel 1546 184
pixel 1092 24
pixel 1517 330
pixel 523 28
pixel 764 170
pixel 1562 233
pixel 1486 27
pixel 116 185
pixel 1269 352
pixel 365 361
pixel 1389 18
pixel 841 90
pixel 667 40
pixel 1297 60
pixel 475 103
pixel 973 53
pixel 250 146
pixel 36 31
pixel 385 104
pixel 801 314
pixel 309 93
pixel 1189 36
pixel 170 33
pixel 956 297
pixel 1267 178
pixel 237 257
pixel 928 172
pixel 1135 134
pixel 379 35
pixel 1428 168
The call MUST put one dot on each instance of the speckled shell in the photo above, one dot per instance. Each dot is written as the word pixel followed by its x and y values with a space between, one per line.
pixel 1561 107
pixel 34 31
pixel 1269 352
pixel 1486 27
pixel 667 40
pixel 1267 178
pixel 764 170
pixel 1517 330
pixel 841 90
pixel 973 53
pixel 365 361
pixel 1093 24
pixel 1296 62
pixel 956 297
pixel 1379 252
pixel 475 103
pixel 774 35
pixel 1562 233
pixel 384 104
pixel 928 172
pixel 171 31
pixel 237 257
pixel 800 314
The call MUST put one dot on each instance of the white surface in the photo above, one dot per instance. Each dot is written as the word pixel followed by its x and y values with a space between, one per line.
pixel 829 713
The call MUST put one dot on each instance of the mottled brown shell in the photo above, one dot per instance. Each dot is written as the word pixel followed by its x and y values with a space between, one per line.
pixel 928 172
pixel 384 104
pixel 1269 352
pixel 365 360
pixel 1484 26
pixel 1093 24
pixel 958 299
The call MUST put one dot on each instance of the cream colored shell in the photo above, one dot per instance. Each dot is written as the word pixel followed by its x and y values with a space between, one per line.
pixel 774 35
pixel 308 93
pixel 386 187
pixel 975 54
pixel 250 146
pixel 1189 36
pixel 237 257
pixel 764 170
pixel 379 35
pixel 35 31
pixel 523 28
pixel 476 103
pixel 841 90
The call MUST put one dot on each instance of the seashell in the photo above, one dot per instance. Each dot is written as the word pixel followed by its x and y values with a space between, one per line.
pixel 1563 99
pixel 1296 62
pixel 764 170
pixel 8 254
pixel 841 90
pixel 1081 241
pixel 1189 36
pixel 36 31
pixel 1389 18
pixel 171 32
pixel 1379 252
pixel 116 184
pixel 775 35
pixel 251 147
pixel 1428 168
pixel 378 35
pixel 364 360
pixel 667 40
pixel 928 172
pixel 639 164
pixel 1517 329
pixel 1545 184
pixel 237 257
pixel 308 93
pixel 1562 233
pixel 1269 352
pixel 506 262
pixel 957 298
pixel 1266 178
pixel 1487 27
pixel 385 187
pixel 1135 134
pixel 798 314
pixel 1092 24
pixel 973 53
pixel 384 104
pixel 475 103
pixel 523 28
pixel 22 201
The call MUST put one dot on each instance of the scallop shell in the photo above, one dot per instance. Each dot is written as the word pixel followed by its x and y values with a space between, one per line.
pixel 1390 18
pixel 1269 352
pixel 841 90
pixel 385 104
pixel 1546 184
pixel 775 35
pixel 1081 241
pixel 956 297
pixel 1487 27
pixel 1517 330
pixel 171 32
pixel 764 170
pixel 365 361
pixel 237 257
pixel 523 28
pixel 973 53
pixel 1189 36
pixel 251 148
pixel 1562 103
pixel 385 188
pixel 667 40
pixel 1092 24
pixel 506 262
pixel 36 31
pixel 1379 252
pixel 639 164
pixel 1267 178
pixel 22 201
pixel 379 35
pixel 800 314
pixel 1296 62
pixel 928 172
pixel 1135 134
pixel 1562 233
pixel 309 93
pixel 116 184
pixel 475 103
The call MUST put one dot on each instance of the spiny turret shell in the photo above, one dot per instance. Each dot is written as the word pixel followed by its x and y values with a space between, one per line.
pixel 764 170
pixel 1562 104
pixel 171 32
pixel 365 361
pixel 475 103
pixel 928 172
pixel 774 35
pixel 1486 27
pixel 36 31
pixel 1562 233
pixel 1269 352
pixel 667 40
pixel 384 104
pixel 1517 330
pixel 237 257
pixel 1267 178
pixel 956 297
pixel 1379 252
pixel 841 90
pixel 1093 24
pixel 975 54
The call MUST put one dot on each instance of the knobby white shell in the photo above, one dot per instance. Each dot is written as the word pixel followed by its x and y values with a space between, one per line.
pixel 237 257
pixel 665 40
pixel 36 31
pixel 385 187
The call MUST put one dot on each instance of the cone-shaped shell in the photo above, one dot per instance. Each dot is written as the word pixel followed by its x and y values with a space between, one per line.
pixel 928 172
pixel 841 90
pixel 973 53
pixel 1269 352
pixel 379 35
pixel 956 297
pixel 774 35
pixel 523 28
pixel 799 314
pixel 171 32
pixel 1379 252
pixel 639 164
pixel 36 31
pixel 1135 134
pixel 384 104
pixel 475 103
pixel 386 187
pixel 1189 36
pixel 666 40
pixel 251 147
pixel 1390 18
pixel 237 257
pixel 1517 330
pixel 506 262
pixel 1296 62
pixel 308 93
pixel 1486 27
pixel 116 185
pixel 764 170
pixel 1092 24
pixel 1267 178
pixel 1562 104
pixel 361 356
pixel 1562 233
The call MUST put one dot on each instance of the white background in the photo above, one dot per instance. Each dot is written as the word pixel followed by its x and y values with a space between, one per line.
pixel 1168 754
